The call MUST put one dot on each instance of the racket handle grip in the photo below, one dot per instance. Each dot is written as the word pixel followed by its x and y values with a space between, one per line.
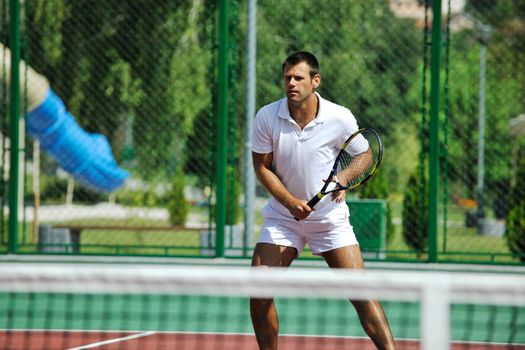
pixel 314 201
pixel 311 203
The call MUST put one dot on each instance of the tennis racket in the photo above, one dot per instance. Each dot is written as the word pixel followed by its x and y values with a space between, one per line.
pixel 356 163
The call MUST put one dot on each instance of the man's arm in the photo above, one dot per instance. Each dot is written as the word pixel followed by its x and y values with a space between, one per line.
pixel 359 166
pixel 262 164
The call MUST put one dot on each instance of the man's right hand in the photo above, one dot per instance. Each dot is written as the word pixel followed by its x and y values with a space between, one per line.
pixel 262 164
pixel 299 209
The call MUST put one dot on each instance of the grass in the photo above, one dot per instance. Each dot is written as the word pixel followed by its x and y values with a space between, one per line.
pixel 455 242
pixel 462 244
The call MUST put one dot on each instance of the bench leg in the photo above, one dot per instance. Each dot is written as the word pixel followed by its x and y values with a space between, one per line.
pixel 75 240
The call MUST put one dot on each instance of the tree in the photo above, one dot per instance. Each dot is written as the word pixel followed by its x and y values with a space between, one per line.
pixel 415 213
pixel 369 61
pixel 377 187
pixel 505 86
pixel 177 206
pixel 515 232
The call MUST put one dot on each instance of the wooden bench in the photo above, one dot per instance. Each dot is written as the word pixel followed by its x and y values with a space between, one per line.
pixel 79 227
pixel 75 230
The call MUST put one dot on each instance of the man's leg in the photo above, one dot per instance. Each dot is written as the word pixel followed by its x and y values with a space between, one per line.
pixel 370 312
pixel 263 312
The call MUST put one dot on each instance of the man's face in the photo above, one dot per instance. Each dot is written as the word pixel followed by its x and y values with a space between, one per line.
pixel 297 82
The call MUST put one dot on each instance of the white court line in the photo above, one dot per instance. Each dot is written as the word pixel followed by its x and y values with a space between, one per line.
pixel 173 261
pixel 291 335
pixel 111 341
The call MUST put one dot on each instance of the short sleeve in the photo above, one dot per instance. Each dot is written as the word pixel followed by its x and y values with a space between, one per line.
pixel 261 136
pixel 358 145
pixel 349 125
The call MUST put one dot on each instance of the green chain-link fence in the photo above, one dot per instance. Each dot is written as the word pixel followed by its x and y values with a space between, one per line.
pixel 145 75
pixel 486 92
pixel 140 73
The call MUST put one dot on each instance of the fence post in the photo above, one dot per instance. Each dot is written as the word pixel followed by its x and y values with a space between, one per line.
pixel 249 175
pixel 433 189
pixel 14 126
pixel 222 129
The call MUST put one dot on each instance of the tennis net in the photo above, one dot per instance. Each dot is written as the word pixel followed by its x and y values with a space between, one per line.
pixel 95 306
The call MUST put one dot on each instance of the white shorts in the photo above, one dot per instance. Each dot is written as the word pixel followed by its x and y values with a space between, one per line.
pixel 321 236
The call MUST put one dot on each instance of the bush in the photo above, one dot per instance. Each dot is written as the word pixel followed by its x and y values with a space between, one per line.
pixel 415 213
pixel 500 204
pixel 85 195
pixel 515 232
pixel 377 188
pixel 52 189
pixel 233 209
pixel 146 195
pixel 177 206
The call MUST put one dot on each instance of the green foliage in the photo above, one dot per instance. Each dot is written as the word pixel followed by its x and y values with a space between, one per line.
pixel 200 161
pixel 109 62
pixel 177 205
pixel 149 195
pixel 361 68
pixel 49 16
pixel 85 195
pixel 53 189
pixel 151 62
pixel 175 81
pixel 415 213
pixel 371 68
pixel 515 229
pixel 233 192
pixel 396 167
pixel 504 97
pixel 377 187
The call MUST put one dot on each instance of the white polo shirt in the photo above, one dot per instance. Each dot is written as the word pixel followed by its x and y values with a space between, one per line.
pixel 302 159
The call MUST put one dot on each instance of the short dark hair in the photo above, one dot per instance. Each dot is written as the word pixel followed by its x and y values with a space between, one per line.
pixel 303 56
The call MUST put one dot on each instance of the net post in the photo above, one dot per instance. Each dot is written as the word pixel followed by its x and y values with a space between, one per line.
pixel 435 317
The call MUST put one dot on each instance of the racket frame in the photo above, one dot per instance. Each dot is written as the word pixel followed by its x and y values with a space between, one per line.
pixel 340 187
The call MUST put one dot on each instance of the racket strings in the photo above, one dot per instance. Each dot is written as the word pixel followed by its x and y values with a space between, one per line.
pixel 354 168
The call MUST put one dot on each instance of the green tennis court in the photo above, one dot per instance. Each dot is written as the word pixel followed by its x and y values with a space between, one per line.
pixel 194 313
pixel 309 317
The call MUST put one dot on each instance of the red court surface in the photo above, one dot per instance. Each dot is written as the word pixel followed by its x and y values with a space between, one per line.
pixel 77 340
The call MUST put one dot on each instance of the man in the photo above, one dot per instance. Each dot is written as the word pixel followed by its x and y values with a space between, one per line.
pixel 295 142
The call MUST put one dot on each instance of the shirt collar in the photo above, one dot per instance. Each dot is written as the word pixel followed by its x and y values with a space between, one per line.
pixel 284 112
